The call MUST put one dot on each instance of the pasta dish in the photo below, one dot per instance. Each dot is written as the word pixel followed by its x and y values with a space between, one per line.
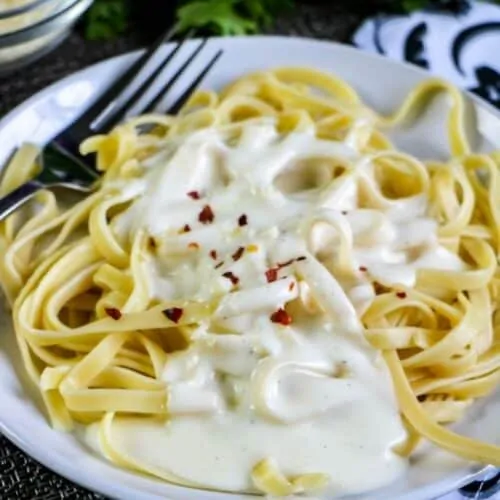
pixel 262 294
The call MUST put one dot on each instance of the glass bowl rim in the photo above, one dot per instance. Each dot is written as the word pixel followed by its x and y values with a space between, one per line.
pixel 34 4
pixel 64 16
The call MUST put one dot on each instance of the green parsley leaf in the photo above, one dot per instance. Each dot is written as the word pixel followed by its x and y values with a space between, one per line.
pixel 106 19
pixel 219 16
pixel 229 17
pixel 410 5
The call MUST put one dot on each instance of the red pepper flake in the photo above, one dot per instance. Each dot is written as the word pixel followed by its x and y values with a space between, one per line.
pixel 291 286
pixel 194 246
pixel 238 254
pixel 401 295
pixel 213 254
pixel 206 215
pixel 243 220
pixel 271 275
pixel 363 269
pixel 195 195
pixel 186 228
pixel 174 314
pixel 114 313
pixel 301 258
pixel 281 317
pixel 220 264
pixel 230 276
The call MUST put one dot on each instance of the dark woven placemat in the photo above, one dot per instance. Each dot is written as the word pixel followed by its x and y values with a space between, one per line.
pixel 22 478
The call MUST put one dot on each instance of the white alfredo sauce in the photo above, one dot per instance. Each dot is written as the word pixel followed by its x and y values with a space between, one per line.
pixel 312 395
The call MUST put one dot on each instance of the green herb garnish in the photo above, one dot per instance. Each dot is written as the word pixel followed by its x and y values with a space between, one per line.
pixel 107 19
pixel 229 17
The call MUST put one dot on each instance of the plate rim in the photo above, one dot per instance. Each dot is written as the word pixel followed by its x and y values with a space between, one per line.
pixel 101 486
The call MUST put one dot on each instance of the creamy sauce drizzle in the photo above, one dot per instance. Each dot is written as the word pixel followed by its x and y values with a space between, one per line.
pixel 312 395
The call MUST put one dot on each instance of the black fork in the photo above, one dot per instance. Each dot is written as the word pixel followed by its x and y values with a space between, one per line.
pixel 61 163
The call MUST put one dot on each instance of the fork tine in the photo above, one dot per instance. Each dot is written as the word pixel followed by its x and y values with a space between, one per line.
pixel 121 84
pixel 170 83
pixel 176 107
pixel 115 116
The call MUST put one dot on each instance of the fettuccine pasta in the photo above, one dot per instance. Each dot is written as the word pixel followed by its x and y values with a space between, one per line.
pixel 264 273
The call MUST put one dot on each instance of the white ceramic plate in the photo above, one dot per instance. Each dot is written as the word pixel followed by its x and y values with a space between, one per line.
pixel 383 84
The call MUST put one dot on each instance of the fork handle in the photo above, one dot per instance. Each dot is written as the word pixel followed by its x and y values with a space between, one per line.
pixel 18 197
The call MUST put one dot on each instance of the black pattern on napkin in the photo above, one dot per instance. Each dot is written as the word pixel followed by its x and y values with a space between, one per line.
pixel 462 47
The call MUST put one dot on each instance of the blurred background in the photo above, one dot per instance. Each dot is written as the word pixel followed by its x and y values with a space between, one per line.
pixel 44 40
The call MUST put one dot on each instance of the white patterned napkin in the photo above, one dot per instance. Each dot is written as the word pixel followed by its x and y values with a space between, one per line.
pixel 463 48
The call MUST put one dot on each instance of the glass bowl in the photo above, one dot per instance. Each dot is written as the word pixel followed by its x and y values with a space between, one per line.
pixel 30 29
